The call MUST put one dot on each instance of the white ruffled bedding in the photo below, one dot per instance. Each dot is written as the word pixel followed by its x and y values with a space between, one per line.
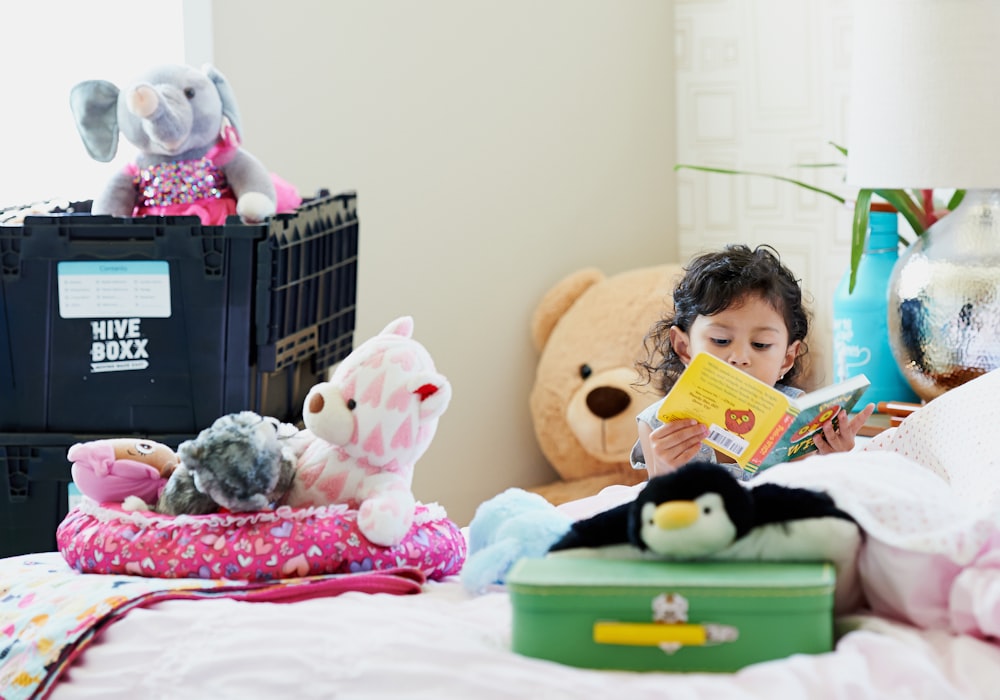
pixel 926 494
pixel 445 644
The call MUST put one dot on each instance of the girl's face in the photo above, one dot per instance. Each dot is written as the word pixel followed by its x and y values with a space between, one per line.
pixel 749 334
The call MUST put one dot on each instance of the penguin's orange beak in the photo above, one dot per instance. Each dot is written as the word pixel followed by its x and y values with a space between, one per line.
pixel 674 515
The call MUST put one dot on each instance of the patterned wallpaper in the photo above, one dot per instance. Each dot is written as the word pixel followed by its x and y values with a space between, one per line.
pixel 762 85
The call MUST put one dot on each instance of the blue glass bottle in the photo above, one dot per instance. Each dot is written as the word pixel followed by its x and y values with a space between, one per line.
pixel 860 319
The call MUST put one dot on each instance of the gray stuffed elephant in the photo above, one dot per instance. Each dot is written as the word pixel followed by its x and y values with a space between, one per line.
pixel 185 123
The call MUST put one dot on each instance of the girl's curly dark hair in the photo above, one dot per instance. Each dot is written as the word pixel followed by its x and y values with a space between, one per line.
pixel 712 283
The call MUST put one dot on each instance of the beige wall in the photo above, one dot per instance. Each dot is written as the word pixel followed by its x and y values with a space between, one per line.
pixel 495 146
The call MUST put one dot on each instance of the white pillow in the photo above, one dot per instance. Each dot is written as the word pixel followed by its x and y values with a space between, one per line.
pixel 957 436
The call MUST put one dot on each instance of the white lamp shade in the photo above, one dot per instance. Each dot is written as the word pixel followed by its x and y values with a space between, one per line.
pixel 925 94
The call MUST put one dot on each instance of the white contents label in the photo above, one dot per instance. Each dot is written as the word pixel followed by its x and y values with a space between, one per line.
pixel 114 289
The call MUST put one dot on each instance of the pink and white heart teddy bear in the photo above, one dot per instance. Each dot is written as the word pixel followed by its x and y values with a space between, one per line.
pixel 369 425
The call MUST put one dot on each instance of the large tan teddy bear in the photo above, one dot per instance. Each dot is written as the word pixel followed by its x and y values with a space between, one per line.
pixel 589 330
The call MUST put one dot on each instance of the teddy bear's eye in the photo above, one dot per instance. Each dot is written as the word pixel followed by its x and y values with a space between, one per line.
pixel 585 371
pixel 189 93
pixel 144 448
pixel 351 404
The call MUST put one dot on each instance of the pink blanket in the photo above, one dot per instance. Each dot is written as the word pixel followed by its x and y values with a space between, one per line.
pixel 930 557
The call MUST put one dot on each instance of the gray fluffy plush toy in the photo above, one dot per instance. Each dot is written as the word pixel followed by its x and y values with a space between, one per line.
pixel 242 462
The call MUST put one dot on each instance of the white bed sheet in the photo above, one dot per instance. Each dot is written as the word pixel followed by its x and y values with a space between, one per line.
pixel 444 643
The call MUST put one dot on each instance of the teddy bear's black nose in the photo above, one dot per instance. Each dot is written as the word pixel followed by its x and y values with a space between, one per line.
pixel 607 401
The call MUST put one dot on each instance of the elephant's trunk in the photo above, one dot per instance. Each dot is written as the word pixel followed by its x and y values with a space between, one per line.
pixel 165 114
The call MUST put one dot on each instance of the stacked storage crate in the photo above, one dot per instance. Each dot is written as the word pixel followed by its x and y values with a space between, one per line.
pixel 155 327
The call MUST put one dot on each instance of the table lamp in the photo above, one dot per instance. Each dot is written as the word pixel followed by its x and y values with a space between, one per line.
pixel 924 114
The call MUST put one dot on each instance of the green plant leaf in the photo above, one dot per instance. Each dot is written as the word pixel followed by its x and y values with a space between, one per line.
pixel 859 231
pixel 905 205
pixel 843 151
pixel 819 165
pixel 770 176
pixel 909 205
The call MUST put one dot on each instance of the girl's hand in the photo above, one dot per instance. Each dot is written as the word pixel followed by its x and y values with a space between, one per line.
pixel 672 445
pixel 841 438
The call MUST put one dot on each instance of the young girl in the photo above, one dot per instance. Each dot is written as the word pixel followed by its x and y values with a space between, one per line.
pixel 745 307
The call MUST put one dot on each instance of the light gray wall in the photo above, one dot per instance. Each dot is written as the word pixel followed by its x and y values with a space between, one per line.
pixel 495 147
pixel 763 85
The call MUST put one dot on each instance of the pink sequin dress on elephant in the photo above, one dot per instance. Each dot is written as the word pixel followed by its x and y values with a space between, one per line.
pixel 369 425
pixel 198 187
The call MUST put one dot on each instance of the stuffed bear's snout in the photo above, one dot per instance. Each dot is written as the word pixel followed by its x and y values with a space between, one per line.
pixel 608 401
pixel 329 415
pixel 316 402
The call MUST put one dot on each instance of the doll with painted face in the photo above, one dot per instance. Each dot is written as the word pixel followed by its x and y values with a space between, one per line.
pixel 111 469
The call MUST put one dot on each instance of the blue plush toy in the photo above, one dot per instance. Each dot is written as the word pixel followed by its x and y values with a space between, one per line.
pixel 509 526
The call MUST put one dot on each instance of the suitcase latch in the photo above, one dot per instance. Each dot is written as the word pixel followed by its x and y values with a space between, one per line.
pixel 669 629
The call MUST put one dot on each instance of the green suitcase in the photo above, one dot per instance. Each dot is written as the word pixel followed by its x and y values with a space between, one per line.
pixel 669 616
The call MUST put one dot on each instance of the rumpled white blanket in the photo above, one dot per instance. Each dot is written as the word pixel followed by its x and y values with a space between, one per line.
pixel 447 645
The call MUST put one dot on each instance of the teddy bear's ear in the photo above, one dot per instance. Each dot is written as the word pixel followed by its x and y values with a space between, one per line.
pixel 557 301
pixel 434 391
pixel 401 326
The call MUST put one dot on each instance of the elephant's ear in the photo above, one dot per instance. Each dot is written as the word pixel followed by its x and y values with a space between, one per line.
pixel 95 109
pixel 226 94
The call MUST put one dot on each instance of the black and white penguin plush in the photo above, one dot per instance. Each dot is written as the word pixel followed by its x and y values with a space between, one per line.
pixel 701 511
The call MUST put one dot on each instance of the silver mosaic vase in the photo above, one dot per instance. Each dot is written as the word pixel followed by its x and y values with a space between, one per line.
pixel 944 299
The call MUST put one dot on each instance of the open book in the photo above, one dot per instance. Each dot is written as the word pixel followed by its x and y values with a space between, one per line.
pixel 755 424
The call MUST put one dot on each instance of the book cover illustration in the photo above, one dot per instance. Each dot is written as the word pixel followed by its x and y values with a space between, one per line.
pixel 814 410
pixel 740 412
pixel 753 423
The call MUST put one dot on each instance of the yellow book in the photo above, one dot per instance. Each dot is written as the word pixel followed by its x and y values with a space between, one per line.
pixel 755 424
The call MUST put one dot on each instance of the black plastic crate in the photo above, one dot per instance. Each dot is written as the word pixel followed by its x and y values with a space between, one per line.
pixel 161 325
pixel 35 483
